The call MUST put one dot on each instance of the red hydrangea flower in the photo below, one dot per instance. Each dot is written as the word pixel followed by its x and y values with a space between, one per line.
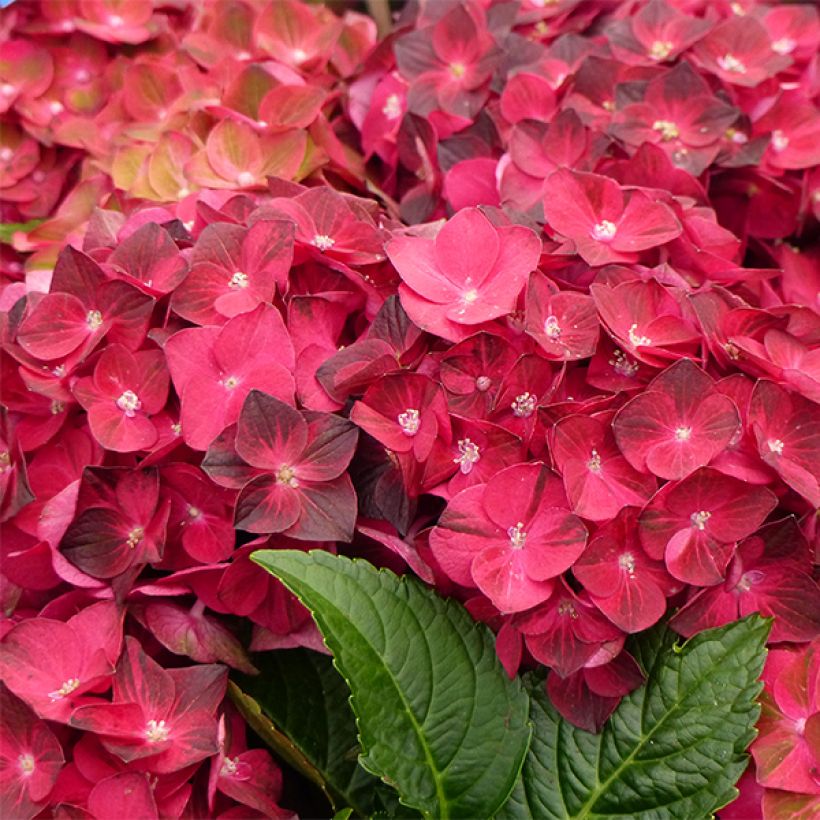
pixel 770 573
pixel 125 391
pixel 51 665
pixel 165 718
pixel 621 579
pixel 739 52
pixel 569 632
pixel 695 524
pixel 234 269
pixel 214 370
pixel 787 750
pixel 407 413
pixel 565 324
pixel 31 758
pixel 298 460
pixel 604 222
pixel 443 289
pixel 598 480
pixel 509 537
pixel 120 522
pixel 681 422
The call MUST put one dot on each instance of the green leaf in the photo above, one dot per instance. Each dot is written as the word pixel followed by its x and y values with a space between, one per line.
pixel 674 748
pixel 438 718
pixel 298 704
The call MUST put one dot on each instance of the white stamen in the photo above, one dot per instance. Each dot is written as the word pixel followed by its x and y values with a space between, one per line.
pixel 287 476
pixel 468 455
pixel 551 327
pixel 785 45
pixel 392 107
pixel 26 764
pixel 566 607
pixel 780 142
pixel 623 365
pixel 636 339
pixel 594 463
pixel 699 519
pixel 93 319
pixel 135 536
pixel 483 384
pixel 244 179
pixel 239 280
pixel 517 536
pixel 129 403
pixel 409 421
pixel 604 230
pixel 156 731
pixel 775 446
pixel 66 689
pixel 668 129
pixel 731 64
pixel 524 405
pixel 626 561
pixel 323 242
pixel 229 766
pixel 660 49
pixel 683 433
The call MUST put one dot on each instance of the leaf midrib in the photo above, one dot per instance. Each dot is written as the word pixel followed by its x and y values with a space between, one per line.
pixel 440 795
pixel 602 787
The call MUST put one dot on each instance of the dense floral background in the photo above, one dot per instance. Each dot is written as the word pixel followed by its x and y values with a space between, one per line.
pixel 520 297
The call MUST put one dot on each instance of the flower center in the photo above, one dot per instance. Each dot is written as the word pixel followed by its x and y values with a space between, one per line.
pixel 683 433
pixel 468 455
pixel 229 766
pixel 287 476
pixel 194 512
pixel 57 407
pixel 660 49
pixel 6 154
pixel 636 339
pixel 323 242
pixel 735 136
pixel 26 764
pixel 458 70
pixel 483 383
pixel 392 107
pixel 552 328
pixel 668 129
pixel 470 296
pixel 129 403
pixel 135 536
pixel 775 446
pixel 5 461
pixel 594 463
pixel 623 365
pixel 699 519
pixel 517 536
pixel 7 89
pixel 81 75
pixel 299 55
pixel 785 45
pixel 230 383
pixel 524 405
pixel 566 607
pixel 244 179
pixel 156 731
pixel 780 142
pixel 409 421
pixel 626 561
pixel 730 63
pixel 93 319
pixel 800 726
pixel 604 230
pixel 66 689
pixel 176 428
pixel 239 280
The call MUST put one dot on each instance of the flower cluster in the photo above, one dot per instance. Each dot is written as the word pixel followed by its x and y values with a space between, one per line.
pixel 522 298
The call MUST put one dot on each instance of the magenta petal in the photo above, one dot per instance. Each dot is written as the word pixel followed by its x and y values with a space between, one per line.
pixel 500 573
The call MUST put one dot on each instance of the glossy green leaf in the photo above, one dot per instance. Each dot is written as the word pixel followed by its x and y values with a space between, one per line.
pixel 298 704
pixel 674 748
pixel 437 716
